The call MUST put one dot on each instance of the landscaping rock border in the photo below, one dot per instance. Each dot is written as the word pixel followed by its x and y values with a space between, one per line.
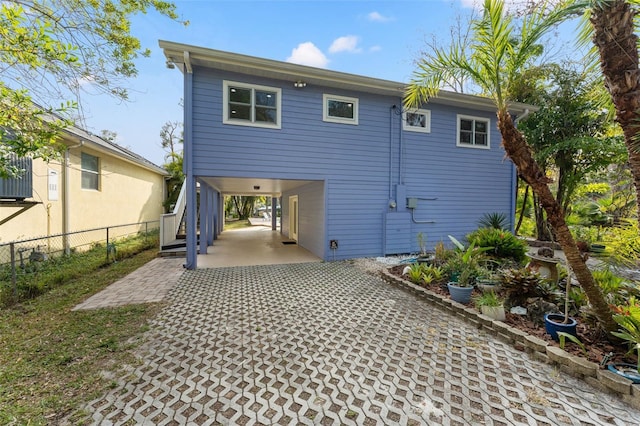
pixel 539 349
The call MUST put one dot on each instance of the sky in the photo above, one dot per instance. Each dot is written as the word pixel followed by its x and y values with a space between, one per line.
pixel 381 39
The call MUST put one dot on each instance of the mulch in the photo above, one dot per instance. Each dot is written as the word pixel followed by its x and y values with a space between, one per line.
pixel 594 341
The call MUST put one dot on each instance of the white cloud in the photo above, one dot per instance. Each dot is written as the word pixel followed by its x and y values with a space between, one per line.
pixel 377 17
pixel 375 48
pixel 345 44
pixel 472 4
pixel 308 54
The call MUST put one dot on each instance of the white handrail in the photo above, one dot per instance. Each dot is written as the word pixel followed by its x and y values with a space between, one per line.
pixel 170 222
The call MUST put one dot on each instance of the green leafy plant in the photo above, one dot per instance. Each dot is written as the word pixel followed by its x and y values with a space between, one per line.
pixel 623 243
pixel 562 338
pixel 415 273
pixel 501 244
pixel 519 285
pixel 488 298
pixel 422 243
pixel 465 262
pixel 629 321
pixel 494 220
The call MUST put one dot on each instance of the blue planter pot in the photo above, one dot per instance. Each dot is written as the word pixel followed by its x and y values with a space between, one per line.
pixel 553 324
pixel 460 294
pixel 628 371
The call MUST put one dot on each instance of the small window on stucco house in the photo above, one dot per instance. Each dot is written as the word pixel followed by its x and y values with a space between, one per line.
pixel 90 166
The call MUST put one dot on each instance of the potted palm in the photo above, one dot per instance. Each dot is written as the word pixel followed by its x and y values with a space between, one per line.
pixel 554 323
pixel 491 305
pixel 464 266
pixel 629 322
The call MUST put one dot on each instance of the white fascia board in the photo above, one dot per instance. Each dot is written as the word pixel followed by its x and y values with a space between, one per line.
pixel 251 65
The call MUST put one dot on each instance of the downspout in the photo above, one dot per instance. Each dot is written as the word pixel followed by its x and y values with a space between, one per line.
pixel 191 261
pixel 391 112
pixel 401 153
pixel 514 178
pixel 65 197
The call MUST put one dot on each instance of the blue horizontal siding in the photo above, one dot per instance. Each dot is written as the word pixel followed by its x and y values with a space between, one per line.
pixel 354 161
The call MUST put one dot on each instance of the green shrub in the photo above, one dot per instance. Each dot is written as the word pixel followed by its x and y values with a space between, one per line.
pixel 505 244
pixel 623 243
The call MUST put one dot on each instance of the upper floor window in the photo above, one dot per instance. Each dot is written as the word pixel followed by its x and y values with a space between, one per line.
pixel 417 120
pixel 90 167
pixel 340 109
pixel 473 132
pixel 251 105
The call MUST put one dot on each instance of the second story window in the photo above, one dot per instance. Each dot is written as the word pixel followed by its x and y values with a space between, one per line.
pixel 340 109
pixel 250 105
pixel 473 132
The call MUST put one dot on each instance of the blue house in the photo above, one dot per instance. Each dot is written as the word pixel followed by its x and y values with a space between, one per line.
pixel 356 174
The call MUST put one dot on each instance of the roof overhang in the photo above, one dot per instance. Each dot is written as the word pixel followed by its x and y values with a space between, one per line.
pixel 187 56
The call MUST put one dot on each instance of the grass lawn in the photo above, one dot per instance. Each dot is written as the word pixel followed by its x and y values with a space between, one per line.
pixel 236 224
pixel 51 359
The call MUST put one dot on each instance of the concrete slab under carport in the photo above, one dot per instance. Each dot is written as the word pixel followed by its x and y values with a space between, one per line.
pixel 256 245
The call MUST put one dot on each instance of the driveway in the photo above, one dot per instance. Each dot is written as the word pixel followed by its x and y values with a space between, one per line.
pixel 325 343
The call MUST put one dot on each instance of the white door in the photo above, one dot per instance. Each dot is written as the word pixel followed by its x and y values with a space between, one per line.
pixel 293 217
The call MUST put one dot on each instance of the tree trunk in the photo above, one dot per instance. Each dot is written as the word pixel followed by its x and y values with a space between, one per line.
pixel 616 42
pixel 520 153
pixel 542 226
pixel 522 210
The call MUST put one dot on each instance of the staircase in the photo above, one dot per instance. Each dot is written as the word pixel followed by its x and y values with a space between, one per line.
pixel 173 239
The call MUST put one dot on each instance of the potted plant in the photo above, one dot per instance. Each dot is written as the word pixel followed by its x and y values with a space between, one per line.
pixel 423 257
pixel 629 321
pixel 464 264
pixel 491 305
pixel 553 323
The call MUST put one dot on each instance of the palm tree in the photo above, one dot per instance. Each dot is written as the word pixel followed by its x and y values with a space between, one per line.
pixel 614 37
pixel 497 54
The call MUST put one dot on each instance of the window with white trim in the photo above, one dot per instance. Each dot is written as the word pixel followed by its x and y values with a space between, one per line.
pixel 339 109
pixel 90 167
pixel 473 132
pixel 418 120
pixel 251 105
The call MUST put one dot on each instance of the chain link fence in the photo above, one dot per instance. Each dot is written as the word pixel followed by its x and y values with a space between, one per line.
pixel 23 257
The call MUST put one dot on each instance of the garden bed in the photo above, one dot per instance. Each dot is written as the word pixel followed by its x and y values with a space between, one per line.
pixel 532 338
pixel 595 343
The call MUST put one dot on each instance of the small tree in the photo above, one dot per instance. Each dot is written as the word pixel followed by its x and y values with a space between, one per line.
pixel 50 52
pixel 498 53
pixel 171 136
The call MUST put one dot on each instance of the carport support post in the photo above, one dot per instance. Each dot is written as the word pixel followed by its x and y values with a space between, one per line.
pixel 190 181
pixel 204 217
pixel 274 209
pixel 213 216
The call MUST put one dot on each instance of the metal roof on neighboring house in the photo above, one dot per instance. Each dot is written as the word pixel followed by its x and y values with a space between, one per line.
pixel 95 142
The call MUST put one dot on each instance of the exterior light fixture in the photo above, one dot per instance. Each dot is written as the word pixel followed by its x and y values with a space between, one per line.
pixel 299 84
pixel 256 187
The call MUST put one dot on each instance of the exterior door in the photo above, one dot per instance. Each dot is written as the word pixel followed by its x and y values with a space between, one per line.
pixel 293 217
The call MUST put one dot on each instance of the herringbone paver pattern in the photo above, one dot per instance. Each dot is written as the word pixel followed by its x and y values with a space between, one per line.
pixel 324 343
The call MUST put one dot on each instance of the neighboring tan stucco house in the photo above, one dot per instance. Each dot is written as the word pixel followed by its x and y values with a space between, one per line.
pixel 102 185
pixel 357 175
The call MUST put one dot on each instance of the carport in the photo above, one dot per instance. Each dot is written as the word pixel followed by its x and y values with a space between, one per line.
pixel 299 238
pixel 257 245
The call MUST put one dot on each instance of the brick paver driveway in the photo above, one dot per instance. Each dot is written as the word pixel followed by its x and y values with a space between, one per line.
pixel 324 343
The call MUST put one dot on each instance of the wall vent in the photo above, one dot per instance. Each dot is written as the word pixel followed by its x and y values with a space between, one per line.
pixel 21 187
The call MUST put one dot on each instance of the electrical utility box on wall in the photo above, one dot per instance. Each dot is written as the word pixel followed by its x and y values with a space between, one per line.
pixel 412 203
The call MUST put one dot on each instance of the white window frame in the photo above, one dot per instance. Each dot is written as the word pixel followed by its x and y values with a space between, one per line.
pixel 343 120
pixel 93 172
pixel 409 128
pixel 461 117
pixel 252 122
